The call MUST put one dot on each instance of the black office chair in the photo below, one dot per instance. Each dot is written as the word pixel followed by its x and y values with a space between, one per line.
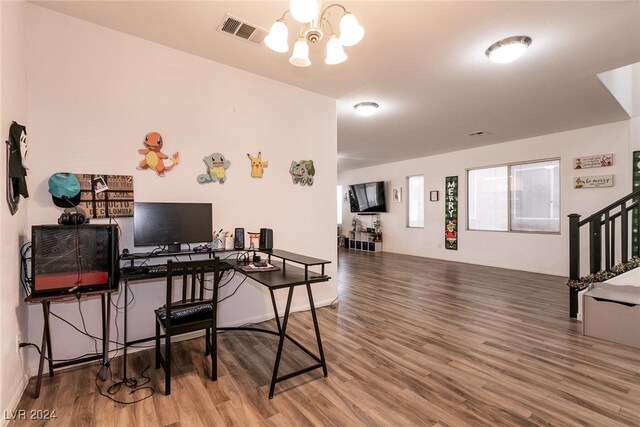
pixel 193 311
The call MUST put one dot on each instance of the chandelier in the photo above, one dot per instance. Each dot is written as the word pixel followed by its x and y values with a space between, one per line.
pixel 307 12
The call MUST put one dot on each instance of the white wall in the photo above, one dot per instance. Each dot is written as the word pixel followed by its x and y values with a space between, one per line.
pixel 94 94
pixel 13 313
pixel 531 252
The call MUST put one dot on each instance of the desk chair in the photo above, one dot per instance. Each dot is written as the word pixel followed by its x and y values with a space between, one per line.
pixel 192 312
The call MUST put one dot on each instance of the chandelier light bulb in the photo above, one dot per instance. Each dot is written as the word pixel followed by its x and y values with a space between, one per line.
pixel 335 52
pixel 508 50
pixel 304 10
pixel 315 21
pixel 351 32
pixel 300 55
pixel 366 108
pixel 277 40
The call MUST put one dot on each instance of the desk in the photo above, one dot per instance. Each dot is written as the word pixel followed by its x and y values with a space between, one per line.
pixel 288 277
pixel 45 300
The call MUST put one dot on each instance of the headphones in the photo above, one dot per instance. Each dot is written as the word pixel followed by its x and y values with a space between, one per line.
pixel 73 216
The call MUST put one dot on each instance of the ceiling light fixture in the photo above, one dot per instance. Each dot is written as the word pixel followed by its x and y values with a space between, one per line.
pixel 509 49
pixel 307 12
pixel 366 108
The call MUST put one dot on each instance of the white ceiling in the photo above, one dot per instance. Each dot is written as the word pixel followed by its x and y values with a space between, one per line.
pixel 423 62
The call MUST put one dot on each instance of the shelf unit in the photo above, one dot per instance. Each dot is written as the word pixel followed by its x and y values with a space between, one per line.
pixel 364 241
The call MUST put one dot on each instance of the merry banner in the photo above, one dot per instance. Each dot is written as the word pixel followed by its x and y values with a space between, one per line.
pixel 635 220
pixel 451 213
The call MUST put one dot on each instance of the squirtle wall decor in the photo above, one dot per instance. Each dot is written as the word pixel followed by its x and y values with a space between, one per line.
pixel 217 166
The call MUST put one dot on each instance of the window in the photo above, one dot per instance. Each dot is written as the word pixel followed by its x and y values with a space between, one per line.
pixel 415 201
pixel 339 203
pixel 517 197
pixel 488 199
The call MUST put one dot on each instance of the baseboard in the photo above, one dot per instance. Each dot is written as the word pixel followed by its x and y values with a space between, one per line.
pixel 15 399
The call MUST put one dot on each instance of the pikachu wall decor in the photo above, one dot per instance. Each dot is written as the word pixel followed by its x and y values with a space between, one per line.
pixel 257 165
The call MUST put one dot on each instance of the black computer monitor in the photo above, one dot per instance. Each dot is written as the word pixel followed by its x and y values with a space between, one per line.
pixel 66 258
pixel 171 224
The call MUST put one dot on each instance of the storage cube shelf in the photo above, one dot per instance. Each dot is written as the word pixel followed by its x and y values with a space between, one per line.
pixel 364 241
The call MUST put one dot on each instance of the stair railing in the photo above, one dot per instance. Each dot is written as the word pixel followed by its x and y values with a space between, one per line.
pixel 603 223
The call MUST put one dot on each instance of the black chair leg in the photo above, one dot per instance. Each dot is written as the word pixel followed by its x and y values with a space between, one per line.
pixel 214 355
pixel 157 345
pixel 167 364
pixel 206 342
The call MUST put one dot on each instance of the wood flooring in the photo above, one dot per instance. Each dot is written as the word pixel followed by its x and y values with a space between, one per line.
pixel 411 342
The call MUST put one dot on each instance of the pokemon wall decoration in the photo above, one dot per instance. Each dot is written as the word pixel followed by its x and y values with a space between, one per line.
pixel 451 213
pixel 154 157
pixel 302 172
pixel 217 166
pixel 257 165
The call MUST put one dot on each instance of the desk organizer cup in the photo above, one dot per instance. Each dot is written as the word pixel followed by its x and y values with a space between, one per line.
pixel 216 243
pixel 228 242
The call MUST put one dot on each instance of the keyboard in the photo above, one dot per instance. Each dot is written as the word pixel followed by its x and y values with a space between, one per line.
pixel 183 313
pixel 158 269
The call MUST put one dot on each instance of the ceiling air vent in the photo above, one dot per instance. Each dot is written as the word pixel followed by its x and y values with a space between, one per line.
pixel 479 133
pixel 236 27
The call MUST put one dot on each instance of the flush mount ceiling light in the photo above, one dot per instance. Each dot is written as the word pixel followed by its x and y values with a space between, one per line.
pixel 366 108
pixel 307 12
pixel 509 49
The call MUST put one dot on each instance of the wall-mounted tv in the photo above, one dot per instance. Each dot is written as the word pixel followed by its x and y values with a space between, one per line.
pixel 171 224
pixel 367 198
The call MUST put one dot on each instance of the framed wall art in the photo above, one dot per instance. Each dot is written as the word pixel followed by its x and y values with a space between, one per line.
pixel 396 194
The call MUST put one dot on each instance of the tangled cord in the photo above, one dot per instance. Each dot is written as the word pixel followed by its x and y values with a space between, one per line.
pixel 132 383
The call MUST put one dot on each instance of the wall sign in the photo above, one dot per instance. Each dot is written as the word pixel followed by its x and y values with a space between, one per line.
pixel 451 213
pixel 596 181
pixel 106 196
pixel 635 220
pixel 593 161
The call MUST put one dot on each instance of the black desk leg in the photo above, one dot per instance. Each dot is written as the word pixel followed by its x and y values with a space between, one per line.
pixel 126 310
pixel 43 349
pixel 283 333
pixel 315 325
pixel 106 317
pixel 275 309
pixel 49 348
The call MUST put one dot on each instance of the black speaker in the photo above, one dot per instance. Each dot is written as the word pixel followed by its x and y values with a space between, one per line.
pixel 238 241
pixel 266 239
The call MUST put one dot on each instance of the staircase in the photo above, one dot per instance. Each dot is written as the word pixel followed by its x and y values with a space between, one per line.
pixel 612 231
